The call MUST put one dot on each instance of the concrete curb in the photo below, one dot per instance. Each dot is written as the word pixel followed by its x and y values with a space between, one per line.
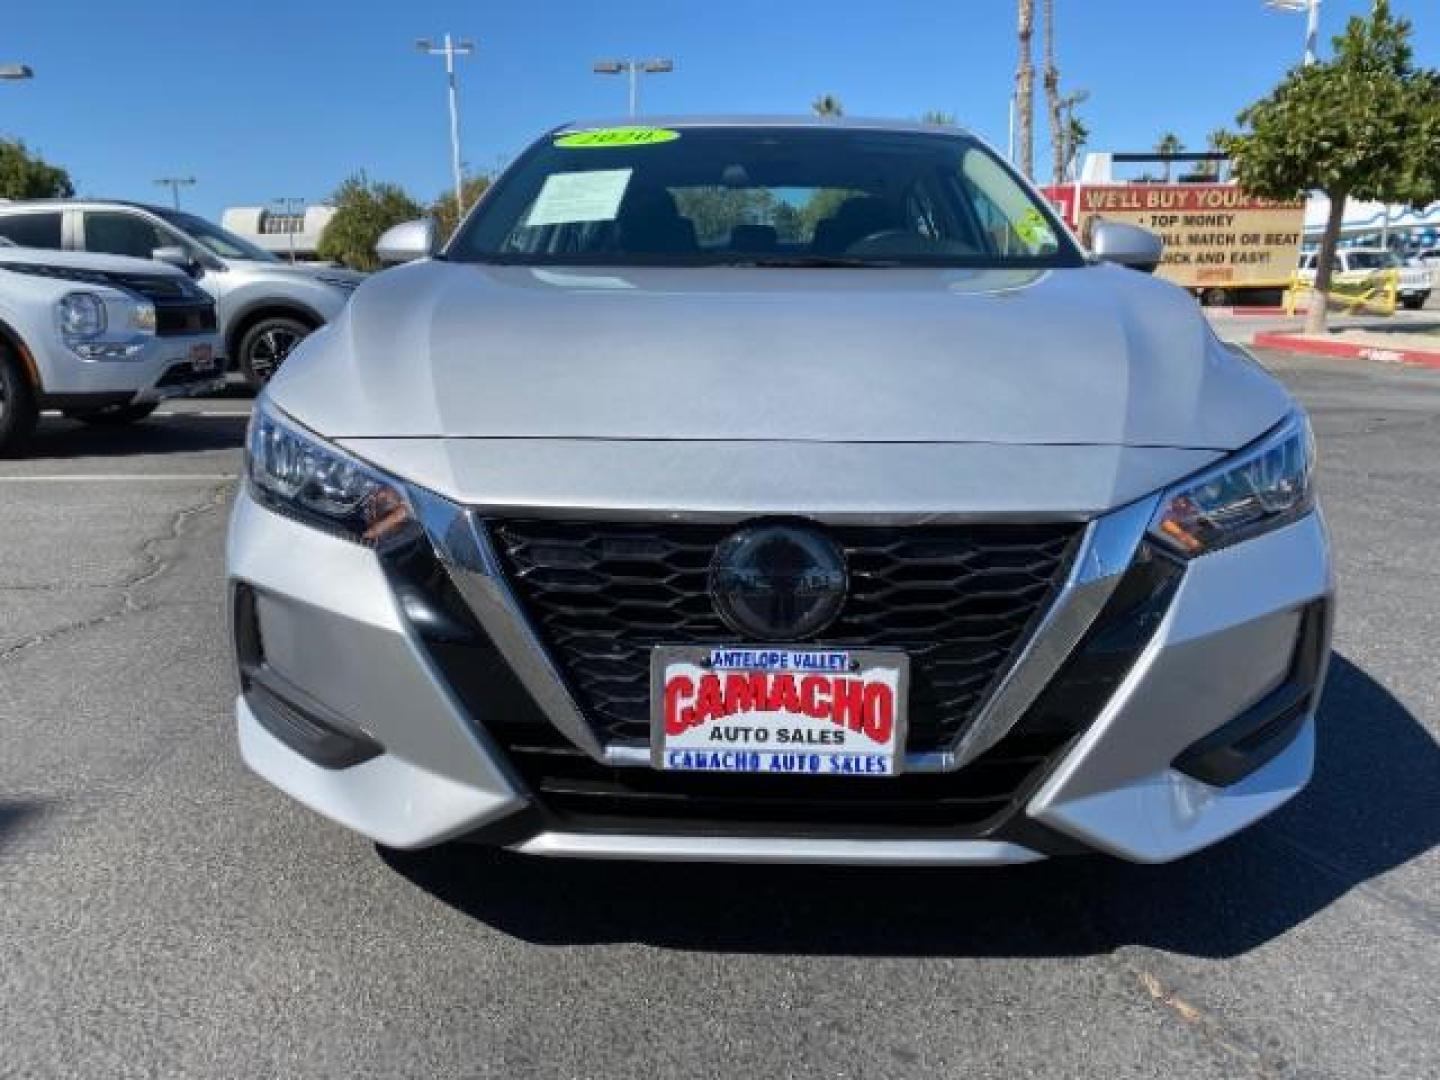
pixel 1347 350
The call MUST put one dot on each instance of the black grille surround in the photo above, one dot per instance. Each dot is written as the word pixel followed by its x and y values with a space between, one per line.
pixel 959 600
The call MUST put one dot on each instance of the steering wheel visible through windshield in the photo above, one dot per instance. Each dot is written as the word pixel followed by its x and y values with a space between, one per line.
pixel 769 196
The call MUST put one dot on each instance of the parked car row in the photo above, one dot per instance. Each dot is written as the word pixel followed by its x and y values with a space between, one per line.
pixel 108 307
pixel 263 306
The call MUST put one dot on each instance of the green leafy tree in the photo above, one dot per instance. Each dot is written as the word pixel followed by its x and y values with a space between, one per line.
pixel 25 175
pixel 1363 124
pixel 363 210
pixel 443 210
pixel 938 118
pixel 827 105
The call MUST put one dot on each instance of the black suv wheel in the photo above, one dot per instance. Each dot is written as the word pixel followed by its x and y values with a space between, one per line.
pixel 18 409
pixel 264 346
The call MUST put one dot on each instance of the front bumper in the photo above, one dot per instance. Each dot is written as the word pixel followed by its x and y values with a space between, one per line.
pixel 339 638
pixel 162 369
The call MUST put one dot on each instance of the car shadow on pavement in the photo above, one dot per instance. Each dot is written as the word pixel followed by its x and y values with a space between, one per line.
pixel 58 439
pixel 1372 806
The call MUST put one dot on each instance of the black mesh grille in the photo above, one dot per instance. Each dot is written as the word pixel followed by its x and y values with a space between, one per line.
pixel 957 599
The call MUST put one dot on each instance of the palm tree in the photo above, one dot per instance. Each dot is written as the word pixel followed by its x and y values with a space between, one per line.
pixel 1074 134
pixel 1025 88
pixel 827 105
pixel 1215 141
pixel 1169 144
pixel 1052 96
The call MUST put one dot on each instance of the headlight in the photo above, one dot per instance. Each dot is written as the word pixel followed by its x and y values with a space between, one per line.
pixel 295 472
pixel 82 315
pixel 1264 486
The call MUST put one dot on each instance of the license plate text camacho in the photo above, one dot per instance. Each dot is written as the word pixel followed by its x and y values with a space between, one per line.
pixel 820 712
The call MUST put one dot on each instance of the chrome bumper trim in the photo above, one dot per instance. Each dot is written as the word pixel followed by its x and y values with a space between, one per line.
pixel 766 849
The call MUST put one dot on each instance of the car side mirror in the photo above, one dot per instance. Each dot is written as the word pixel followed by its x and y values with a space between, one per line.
pixel 1126 245
pixel 407 241
pixel 178 257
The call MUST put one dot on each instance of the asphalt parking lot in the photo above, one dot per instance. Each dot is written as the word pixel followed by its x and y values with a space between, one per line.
pixel 163 913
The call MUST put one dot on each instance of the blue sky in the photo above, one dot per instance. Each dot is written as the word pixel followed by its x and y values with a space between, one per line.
pixel 259 98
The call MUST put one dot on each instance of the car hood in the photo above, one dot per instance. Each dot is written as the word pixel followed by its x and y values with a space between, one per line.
pixel 1088 356
pixel 88 260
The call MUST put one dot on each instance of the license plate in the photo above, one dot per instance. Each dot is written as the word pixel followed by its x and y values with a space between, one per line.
pixel 778 710
pixel 202 358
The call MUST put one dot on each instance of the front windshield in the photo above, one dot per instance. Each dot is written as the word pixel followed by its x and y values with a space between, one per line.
pixel 215 239
pixel 762 196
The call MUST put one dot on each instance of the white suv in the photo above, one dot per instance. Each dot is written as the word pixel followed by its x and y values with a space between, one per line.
pixel 1354 266
pixel 101 338
pixel 265 306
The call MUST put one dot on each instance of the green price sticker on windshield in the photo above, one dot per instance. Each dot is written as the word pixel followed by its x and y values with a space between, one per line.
pixel 616 136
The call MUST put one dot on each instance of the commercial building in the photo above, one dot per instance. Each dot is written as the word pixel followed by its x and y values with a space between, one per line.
pixel 286 234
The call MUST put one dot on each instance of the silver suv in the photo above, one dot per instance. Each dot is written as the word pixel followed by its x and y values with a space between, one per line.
pixel 265 306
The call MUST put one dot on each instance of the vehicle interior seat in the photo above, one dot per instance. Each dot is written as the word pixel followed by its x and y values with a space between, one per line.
pixel 651 222
pixel 855 219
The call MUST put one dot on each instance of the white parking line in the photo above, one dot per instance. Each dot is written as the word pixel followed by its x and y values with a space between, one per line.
pixel 126 478
pixel 239 413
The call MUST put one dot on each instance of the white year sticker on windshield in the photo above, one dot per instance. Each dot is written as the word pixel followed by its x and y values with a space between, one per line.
pixel 576 197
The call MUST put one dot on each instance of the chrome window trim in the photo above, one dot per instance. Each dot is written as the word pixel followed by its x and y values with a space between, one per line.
pixel 1107 548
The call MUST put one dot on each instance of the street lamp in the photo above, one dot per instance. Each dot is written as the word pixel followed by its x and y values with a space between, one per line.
pixel 16 72
pixel 451 49
pixel 634 68
pixel 175 183
pixel 1312 21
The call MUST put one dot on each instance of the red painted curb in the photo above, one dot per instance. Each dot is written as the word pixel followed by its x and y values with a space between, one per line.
pixel 1347 350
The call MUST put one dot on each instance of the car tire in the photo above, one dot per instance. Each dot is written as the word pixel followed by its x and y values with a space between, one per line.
pixel 115 415
pixel 264 347
pixel 18 408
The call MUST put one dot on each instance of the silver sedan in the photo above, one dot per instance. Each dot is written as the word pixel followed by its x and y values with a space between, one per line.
pixel 772 489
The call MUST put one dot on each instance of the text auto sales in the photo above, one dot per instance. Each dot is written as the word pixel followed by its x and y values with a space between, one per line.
pixel 787 687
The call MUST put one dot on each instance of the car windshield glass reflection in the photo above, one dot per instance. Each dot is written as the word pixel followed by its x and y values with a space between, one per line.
pixel 766 197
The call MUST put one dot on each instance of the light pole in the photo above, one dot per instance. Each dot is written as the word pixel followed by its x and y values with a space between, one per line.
pixel 16 72
pixel 292 207
pixel 1312 22
pixel 634 68
pixel 175 183
pixel 451 49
